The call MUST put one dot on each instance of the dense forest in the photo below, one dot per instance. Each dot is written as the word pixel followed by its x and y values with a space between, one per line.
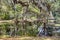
pixel 25 17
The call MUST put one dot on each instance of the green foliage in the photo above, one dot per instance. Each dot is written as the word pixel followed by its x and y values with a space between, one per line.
pixel 33 8
pixel 33 32
pixel 7 12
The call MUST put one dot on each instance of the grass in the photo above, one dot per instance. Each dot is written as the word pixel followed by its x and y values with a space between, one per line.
pixel 31 38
